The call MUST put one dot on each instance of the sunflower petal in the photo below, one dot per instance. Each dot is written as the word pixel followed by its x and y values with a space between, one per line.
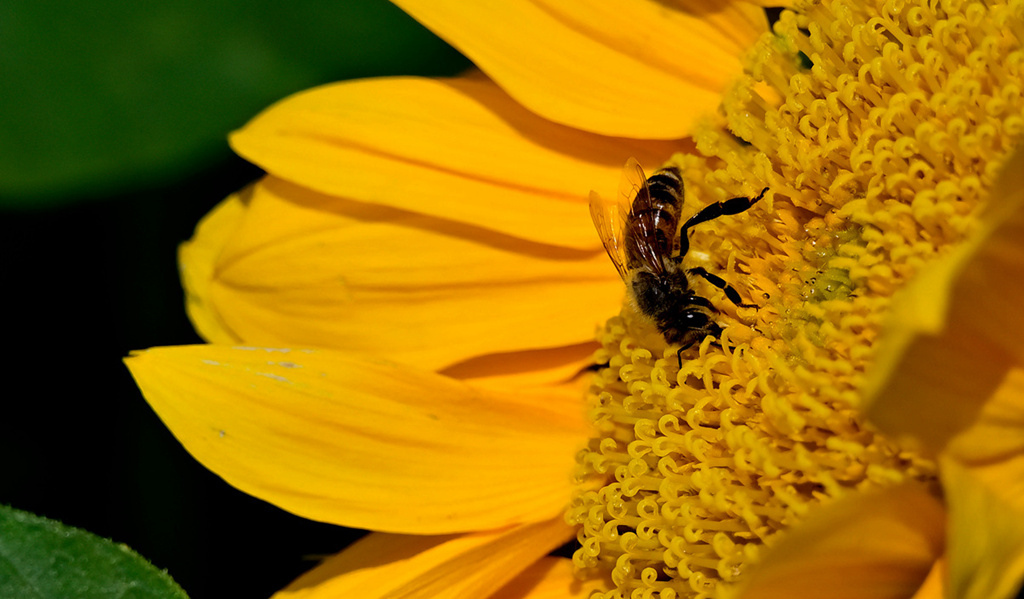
pixel 988 294
pixel 936 582
pixel 643 69
pixel 459 149
pixel 986 535
pixel 406 567
pixel 550 578
pixel 306 270
pixel 956 331
pixel 365 444
pixel 996 434
pixel 197 260
pixel 527 369
pixel 937 393
pixel 869 546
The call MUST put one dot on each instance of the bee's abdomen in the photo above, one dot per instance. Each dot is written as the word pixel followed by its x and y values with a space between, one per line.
pixel 666 200
pixel 666 186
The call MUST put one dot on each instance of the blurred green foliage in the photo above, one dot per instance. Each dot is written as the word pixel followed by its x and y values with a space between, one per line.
pixel 104 97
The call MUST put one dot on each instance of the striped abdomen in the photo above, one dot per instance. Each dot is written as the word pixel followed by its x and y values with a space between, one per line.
pixel 654 219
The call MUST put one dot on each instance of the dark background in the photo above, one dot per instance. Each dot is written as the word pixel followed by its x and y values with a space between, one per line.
pixel 113 123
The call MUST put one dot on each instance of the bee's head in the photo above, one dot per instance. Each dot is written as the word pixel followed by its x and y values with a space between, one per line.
pixel 660 296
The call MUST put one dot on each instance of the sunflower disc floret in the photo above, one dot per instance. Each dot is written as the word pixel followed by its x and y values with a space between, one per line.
pixel 879 128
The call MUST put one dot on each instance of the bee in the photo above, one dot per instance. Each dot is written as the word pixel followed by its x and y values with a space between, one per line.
pixel 641 233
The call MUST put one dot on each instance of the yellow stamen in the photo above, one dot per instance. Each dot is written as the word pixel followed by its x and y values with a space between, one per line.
pixel 892 121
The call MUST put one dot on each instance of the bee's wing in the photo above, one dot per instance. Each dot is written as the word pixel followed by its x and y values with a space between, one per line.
pixel 641 244
pixel 633 181
pixel 610 220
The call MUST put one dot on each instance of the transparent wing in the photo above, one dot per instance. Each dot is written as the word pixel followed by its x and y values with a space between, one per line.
pixel 640 236
pixel 628 224
pixel 610 220
pixel 633 182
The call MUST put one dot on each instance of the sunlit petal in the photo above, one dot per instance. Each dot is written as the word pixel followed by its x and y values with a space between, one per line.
pixel 550 578
pixel 304 269
pixel 460 149
pixel 642 68
pixel 404 567
pixel 197 261
pixel 365 443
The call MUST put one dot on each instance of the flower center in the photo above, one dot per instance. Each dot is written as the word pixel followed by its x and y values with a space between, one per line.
pixel 879 128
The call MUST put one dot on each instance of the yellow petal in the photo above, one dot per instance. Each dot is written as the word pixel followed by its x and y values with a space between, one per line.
pixel 304 269
pixel 934 586
pixel 955 331
pixel 988 295
pixel 460 149
pixel 527 369
pixel 866 546
pixel 986 536
pixel 362 443
pixel 938 386
pixel 643 69
pixel 996 433
pixel 404 567
pixel 197 260
pixel 550 578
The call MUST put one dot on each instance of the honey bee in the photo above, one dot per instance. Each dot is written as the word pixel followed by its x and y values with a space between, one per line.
pixel 641 233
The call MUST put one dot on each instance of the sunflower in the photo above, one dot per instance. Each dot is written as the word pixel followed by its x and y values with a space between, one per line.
pixel 401 314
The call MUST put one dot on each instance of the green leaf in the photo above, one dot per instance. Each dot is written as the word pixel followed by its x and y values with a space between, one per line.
pixel 110 97
pixel 43 559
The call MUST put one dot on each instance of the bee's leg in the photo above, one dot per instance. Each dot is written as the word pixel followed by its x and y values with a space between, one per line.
pixel 701 330
pixel 696 300
pixel 712 211
pixel 682 348
pixel 723 208
pixel 715 331
pixel 730 291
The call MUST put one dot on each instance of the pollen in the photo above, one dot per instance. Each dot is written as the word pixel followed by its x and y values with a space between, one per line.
pixel 879 129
